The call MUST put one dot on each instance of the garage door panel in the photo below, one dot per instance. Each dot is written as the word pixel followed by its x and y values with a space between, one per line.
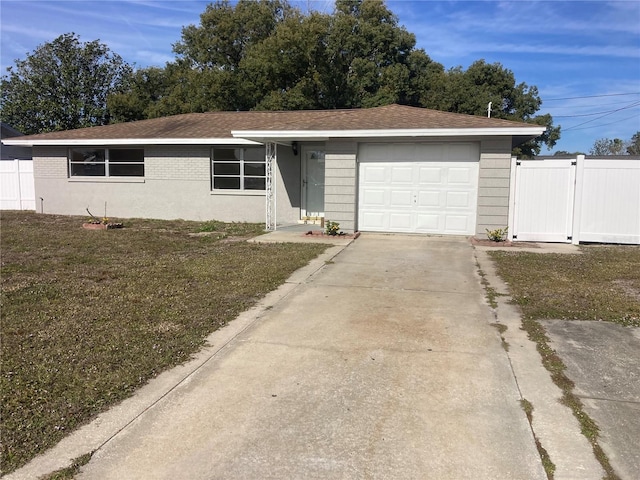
pixel 458 200
pixel 424 188
pixel 402 175
pixel 374 174
pixel 460 176
pixel 375 221
pixel 400 222
pixel 375 198
pixel 456 224
pixel 428 223
pixel 429 199
pixel 429 175
pixel 401 198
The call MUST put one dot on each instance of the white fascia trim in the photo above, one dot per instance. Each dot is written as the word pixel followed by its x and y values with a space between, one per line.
pixel 129 141
pixel 430 132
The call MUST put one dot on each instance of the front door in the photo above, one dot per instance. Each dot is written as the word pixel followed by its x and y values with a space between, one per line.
pixel 312 184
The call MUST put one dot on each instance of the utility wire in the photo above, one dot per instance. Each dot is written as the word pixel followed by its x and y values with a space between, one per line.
pixel 631 105
pixel 587 105
pixel 602 116
pixel 591 96
pixel 601 125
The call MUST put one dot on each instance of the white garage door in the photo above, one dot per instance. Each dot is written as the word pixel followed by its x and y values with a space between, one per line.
pixel 418 188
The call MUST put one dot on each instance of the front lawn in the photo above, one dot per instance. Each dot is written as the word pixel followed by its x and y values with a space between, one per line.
pixel 90 316
pixel 601 284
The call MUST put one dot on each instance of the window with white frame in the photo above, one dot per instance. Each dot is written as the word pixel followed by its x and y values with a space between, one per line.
pixel 238 168
pixel 106 162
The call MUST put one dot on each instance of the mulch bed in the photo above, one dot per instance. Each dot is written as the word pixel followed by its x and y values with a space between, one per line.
pixel 320 233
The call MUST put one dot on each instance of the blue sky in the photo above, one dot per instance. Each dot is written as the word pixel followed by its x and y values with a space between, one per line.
pixel 584 57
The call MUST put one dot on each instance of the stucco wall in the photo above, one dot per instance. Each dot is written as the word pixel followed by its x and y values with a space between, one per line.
pixel 177 184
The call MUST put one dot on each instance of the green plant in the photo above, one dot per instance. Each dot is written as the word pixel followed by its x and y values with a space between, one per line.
pixel 497 235
pixel 332 228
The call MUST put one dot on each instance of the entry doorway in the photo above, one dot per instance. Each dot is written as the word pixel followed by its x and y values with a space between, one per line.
pixel 312 210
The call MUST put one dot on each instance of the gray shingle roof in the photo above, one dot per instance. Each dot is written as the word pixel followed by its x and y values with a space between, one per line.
pixel 219 125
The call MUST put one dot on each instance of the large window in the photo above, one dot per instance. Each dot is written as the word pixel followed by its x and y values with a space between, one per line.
pixel 106 162
pixel 238 169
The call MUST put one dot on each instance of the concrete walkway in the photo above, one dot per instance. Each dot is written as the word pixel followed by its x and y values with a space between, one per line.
pixel 381 365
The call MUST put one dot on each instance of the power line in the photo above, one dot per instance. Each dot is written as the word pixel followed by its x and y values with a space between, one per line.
pixel 601 125
pixel 586 105
pixel 591 96
pixel 598 113
pixel 602 116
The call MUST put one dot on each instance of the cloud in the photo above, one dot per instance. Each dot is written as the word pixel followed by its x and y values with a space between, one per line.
pixel 151 58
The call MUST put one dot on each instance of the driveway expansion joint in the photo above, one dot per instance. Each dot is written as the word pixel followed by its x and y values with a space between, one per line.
pixel 552 423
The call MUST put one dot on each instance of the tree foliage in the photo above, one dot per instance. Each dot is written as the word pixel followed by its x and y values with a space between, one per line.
pixel 63 84
pixel 633 147
pixel 266 54
pixel 616 146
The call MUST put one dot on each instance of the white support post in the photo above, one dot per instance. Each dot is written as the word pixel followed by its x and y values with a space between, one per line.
pixel 270 197
pixel 512 199
pixel 577 200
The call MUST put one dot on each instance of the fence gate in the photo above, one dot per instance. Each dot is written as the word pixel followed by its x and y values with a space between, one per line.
pixel 17 190
pixel 543 194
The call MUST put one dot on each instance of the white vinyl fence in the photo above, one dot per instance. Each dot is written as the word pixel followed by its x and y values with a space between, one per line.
pixel 582 199
pixel 17 190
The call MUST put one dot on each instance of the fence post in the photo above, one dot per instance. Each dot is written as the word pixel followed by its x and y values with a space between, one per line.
pixel 577 199
pixel 512 199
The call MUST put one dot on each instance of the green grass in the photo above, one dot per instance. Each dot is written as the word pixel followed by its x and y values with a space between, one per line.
pixel 90 316
pixel 71 471
pixel 601 284
pixel 549 466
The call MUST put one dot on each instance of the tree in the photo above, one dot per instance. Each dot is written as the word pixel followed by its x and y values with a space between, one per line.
pixel 565 153
pixel 268 55
pixel 633 147
pixel 142 96
pixel 62 85
pixel 369 55
pixel 207 73
pixel 606 146
pixel 470 92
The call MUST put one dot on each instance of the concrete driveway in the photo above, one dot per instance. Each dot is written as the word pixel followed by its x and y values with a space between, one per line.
pixel 602 359
pixel 383 364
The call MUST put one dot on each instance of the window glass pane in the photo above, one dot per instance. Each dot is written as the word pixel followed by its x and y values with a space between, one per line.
pixel 254 154
pixel 226 168
pixel 87 155
pixel 119 170
pixel 226 154
pixel 226 183
pixel 87 169
pixel 126 155
pixel 254 183
pixel 255 169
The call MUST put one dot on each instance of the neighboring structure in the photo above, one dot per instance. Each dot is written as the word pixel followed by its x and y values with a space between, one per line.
pixel 16 173
pixel 390 169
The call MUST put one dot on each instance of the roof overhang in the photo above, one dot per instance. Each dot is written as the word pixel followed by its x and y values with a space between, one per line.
pixel 257 137
pixel 282 135
pixel 127 141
